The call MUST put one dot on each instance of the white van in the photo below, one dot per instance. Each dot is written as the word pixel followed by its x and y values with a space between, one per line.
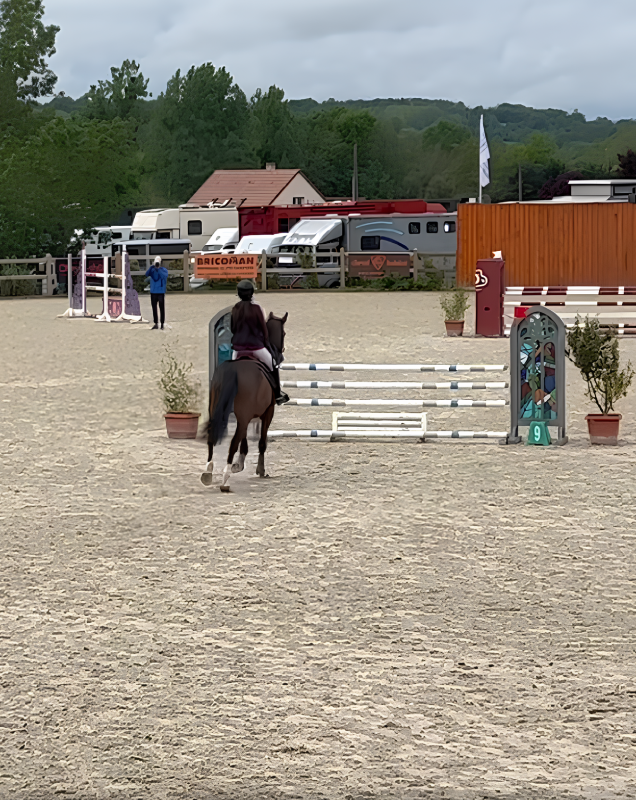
pixel 195 223
pixel 224 240
pixel 259 242
pixel 100 243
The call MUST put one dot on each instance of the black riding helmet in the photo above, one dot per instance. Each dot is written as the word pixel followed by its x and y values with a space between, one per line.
pixel 245 289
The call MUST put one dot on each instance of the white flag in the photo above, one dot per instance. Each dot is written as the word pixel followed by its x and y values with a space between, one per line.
pixel 484 155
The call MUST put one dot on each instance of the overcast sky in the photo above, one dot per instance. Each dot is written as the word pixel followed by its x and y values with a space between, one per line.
pixel 543 53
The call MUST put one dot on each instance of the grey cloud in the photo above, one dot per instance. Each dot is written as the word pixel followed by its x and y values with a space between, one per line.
pixel 559 53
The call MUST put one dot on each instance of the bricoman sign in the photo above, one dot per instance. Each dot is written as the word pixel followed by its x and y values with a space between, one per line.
pixel 377 266
pixel 224 267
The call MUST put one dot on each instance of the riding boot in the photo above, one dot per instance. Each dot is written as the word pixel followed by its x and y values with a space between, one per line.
pixel 281 397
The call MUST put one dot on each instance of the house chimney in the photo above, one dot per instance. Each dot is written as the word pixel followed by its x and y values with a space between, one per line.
pixel 270 166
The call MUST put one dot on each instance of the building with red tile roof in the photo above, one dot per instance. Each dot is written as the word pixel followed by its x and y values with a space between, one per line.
pixel 257 187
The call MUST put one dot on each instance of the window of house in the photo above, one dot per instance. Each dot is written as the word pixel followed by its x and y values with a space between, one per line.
pixel 450 227
pixel 195 227
pixel 431 227
pixel 414 227
pixel 370 242
pixel 298 201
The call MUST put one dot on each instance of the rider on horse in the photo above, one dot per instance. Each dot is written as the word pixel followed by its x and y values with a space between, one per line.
pixel 250 337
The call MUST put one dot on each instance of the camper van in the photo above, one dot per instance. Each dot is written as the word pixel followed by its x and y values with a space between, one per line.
pixel 223 240
pixel 259 242
pixel 100 243
pixel 196 223
pixel 429 234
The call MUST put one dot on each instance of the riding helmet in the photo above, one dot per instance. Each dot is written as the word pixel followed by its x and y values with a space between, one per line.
pixel 245 289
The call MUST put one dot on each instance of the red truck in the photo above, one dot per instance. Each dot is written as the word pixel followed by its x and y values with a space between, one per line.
pixel 281 219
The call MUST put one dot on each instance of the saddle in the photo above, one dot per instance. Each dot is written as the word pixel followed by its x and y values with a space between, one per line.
pixel 246 355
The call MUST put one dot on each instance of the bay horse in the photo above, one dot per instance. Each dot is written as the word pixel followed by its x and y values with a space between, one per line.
pixel 242 386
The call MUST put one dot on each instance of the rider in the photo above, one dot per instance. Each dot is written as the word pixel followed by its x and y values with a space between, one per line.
pixel 249 334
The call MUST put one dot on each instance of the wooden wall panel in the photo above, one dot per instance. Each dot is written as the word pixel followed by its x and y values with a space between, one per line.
pixel 565 244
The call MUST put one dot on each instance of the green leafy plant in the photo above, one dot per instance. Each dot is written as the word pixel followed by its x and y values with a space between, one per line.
pixel 179 391
pixel 16 288
pixel 454 304
pixel 596 354
pixel 311 281
pixel 305 258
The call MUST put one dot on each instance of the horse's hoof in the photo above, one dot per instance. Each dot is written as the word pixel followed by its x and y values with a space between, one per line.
pixel 210 466
pixel 225 488
pixel 236 468
pixel 207 478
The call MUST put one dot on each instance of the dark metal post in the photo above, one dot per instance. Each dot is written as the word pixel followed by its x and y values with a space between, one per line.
pixel 520 186
pixel 354 180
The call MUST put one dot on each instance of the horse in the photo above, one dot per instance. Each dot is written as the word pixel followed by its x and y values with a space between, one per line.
pixel 242 386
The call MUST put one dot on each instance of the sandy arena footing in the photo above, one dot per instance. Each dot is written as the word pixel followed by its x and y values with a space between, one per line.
pixel 374 620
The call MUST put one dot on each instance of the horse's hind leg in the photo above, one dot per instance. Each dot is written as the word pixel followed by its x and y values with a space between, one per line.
pixel 206 475
pixel 240 464
pixel 262 444
pixel 239 435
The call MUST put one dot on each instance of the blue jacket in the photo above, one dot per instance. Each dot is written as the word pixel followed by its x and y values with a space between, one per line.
pixel 158 279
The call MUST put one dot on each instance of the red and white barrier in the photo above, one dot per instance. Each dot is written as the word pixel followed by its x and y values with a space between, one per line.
pixel 613 306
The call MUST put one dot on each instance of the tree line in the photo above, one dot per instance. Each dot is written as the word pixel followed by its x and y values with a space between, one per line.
pixel 68 165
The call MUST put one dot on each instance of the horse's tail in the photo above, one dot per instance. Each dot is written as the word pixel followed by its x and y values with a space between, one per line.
pixel 222 394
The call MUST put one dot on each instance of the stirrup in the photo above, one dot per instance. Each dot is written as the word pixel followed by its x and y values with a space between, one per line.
pixel 282 398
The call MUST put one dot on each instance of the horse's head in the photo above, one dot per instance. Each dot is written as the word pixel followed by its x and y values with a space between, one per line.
pixel 276 331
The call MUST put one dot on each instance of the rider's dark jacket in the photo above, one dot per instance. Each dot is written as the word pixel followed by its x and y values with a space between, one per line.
pixel 249 331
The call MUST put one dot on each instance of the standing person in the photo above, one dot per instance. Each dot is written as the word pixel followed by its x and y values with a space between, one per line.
pixel 249 334
pixel 158 281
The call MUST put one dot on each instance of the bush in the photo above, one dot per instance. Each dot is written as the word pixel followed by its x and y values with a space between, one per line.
pixel 454 304
pixel 179 391
pixel 17 288
pixel 398 283
pixel 597 356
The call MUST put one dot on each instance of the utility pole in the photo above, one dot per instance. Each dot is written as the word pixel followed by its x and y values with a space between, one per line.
pixel 354 180
pixel 520 186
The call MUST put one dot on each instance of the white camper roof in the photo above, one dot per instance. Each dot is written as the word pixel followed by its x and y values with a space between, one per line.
pixel 223 236
pixel 312 232
pixel 254 244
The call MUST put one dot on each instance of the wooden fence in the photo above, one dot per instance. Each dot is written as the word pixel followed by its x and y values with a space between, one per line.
pixel 550 244
pixel 43 270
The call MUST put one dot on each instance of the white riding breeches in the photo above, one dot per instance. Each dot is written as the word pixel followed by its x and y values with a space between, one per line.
pixel 262 355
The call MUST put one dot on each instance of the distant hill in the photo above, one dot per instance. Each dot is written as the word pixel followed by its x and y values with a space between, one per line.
pixel 507 122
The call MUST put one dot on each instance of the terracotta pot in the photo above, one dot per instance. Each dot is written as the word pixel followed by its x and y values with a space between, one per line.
pixel 182 425
pixel 603 428
pixel 454 327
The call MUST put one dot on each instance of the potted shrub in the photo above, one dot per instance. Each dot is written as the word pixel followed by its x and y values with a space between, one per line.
pixel 596 355
pixel 180 393
pixel 454 305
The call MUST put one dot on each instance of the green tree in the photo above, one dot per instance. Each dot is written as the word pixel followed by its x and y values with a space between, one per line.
pixel 274 131
pixel 445 135
pixel 73 173
pixel 25 44
pixel 199 124
pixel 120 96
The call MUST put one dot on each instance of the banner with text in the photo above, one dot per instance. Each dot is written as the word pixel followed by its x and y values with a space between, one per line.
pixel 373 266
pixel 225 267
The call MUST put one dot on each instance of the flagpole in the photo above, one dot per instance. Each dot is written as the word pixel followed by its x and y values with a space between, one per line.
pixel 479 164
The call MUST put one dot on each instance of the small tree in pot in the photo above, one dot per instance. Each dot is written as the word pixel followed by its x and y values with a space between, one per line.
pixel 180 393
pixel 596 355
pixel 454 305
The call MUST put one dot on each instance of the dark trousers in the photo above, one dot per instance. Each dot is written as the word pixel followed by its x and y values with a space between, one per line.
pixel 158 300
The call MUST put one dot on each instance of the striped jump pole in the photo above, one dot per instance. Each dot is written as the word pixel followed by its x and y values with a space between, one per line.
pixel 397 367
pixel 453 385
pixel 458 403
pixel 326 435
